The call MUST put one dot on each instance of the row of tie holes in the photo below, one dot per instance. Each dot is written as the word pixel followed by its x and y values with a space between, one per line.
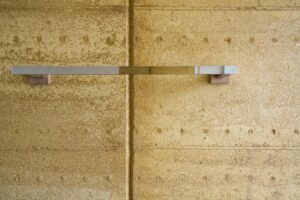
pixel 110 41
pixel 251 40
pixel 227 131
pixel 108 178
pixel 229 40
pixel 205 178
pixel 62 178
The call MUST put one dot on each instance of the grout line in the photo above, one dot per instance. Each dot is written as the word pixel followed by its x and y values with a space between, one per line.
pixel 199 8
pixel 43 8
pixel 128 139
pixel 137 149
pixel 129 100
pixel 87 148
pixel 42 148
pixel 127 113
pixel 219 148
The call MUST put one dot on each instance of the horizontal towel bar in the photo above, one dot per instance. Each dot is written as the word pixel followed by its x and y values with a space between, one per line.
pixel 117 70
pixel 40 75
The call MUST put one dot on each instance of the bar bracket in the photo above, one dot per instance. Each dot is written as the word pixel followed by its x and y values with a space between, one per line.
pixel 39 79
pixel 219 79
pixel 218 74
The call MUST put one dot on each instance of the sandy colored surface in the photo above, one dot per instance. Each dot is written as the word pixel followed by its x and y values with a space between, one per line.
pixel 66 140
pixel 192 140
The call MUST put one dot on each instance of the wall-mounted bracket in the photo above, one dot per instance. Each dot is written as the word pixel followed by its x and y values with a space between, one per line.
pixel 39 79
pixel 218 74
pixel 219 79
pixel 41 75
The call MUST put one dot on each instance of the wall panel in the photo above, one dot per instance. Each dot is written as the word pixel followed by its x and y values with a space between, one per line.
pixel 65 140
pixel 194 140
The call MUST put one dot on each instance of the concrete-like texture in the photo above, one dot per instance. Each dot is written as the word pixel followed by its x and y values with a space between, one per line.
pixel 191 140
pixel 229 142
pixel 67 140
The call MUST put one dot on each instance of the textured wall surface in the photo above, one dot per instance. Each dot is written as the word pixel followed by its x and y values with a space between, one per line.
pixel 66 140
pixel 192 140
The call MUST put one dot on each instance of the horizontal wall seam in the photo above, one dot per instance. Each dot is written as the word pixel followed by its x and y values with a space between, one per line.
pixel 108 7
pixel 137 149
pixel 62 148
pixel 214 8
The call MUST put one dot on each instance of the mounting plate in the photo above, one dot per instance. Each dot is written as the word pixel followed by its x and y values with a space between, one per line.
pixel 39 79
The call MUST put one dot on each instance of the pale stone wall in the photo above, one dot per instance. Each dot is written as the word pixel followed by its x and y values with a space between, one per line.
pixel 192 140
pixel 66 140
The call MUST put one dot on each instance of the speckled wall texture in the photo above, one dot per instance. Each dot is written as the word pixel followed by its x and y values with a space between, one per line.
pixel 192 140
pixel 199 141
pixel 66 140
